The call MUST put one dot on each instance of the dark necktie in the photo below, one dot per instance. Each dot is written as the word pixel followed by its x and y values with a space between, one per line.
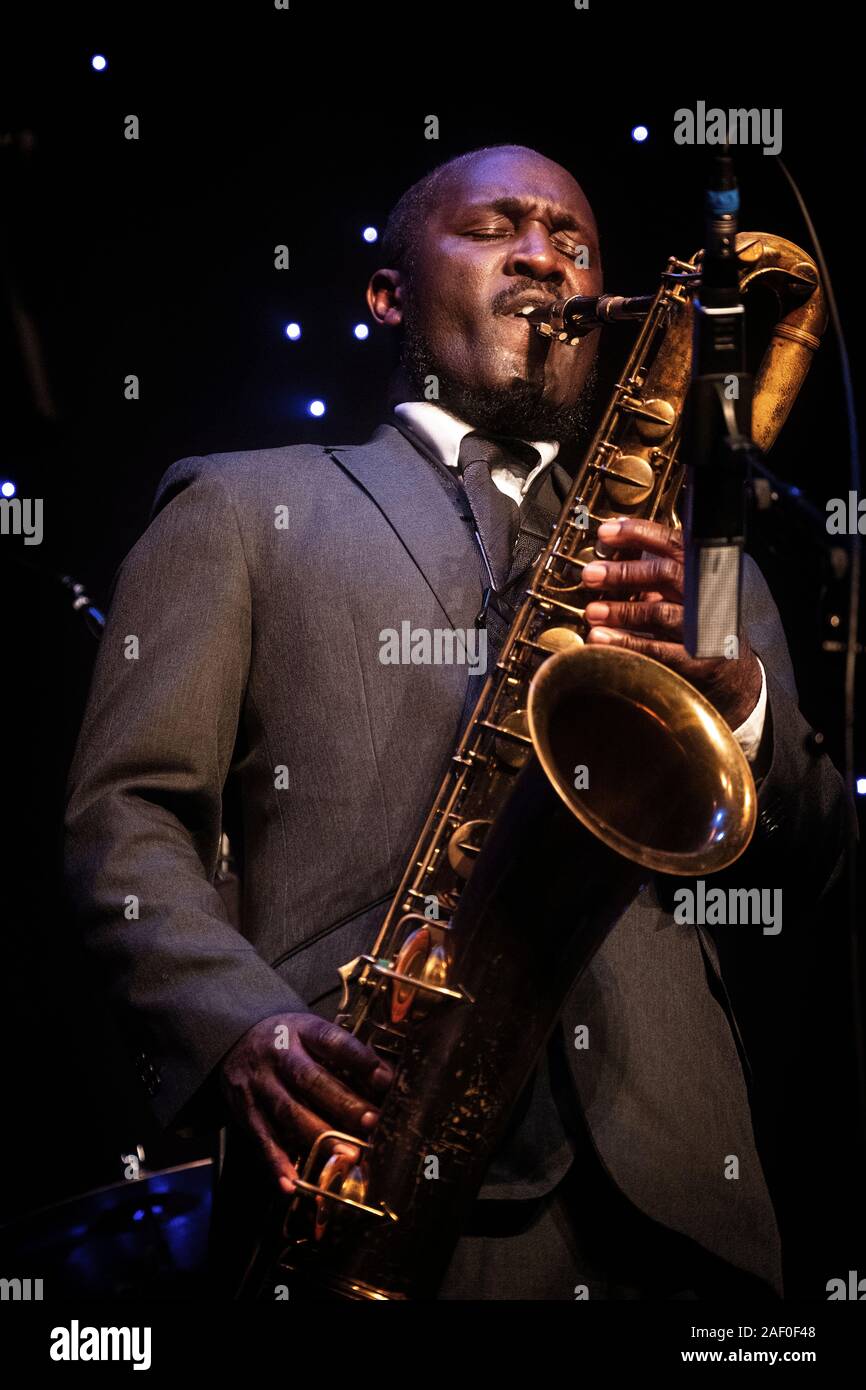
pixel 497 516
pixel 519 533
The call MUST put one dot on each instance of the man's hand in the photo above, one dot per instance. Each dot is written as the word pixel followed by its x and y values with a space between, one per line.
pixel 653 623
pixel 285 1096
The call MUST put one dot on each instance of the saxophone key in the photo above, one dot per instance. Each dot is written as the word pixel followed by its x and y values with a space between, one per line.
pixel 465 845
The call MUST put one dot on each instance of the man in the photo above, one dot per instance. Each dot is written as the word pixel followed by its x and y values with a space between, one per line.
pixel 253 608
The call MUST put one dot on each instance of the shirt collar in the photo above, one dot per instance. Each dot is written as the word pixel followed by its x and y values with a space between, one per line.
pixel 443 432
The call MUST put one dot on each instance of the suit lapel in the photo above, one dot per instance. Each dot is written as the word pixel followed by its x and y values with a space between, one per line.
pixel 419 507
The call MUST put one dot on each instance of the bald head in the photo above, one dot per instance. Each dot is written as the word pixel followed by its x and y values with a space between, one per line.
pixel 407 218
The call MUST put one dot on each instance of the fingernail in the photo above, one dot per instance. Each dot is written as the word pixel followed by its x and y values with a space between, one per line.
pixel 601 634
pixel 381 1076
pixel 287 1185
pixel 597 612
pixel 594 573
pixel 369 1118
pixel 610 528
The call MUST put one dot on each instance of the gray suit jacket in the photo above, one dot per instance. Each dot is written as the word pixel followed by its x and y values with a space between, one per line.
pixel 241 657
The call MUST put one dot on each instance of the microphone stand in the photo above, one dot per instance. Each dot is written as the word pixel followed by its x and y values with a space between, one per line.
pixel 717 441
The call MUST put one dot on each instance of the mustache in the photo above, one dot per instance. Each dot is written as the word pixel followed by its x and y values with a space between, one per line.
pixel 501 302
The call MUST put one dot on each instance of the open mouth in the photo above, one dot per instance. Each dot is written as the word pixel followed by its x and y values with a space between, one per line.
pixel 524 306
pixel 528 306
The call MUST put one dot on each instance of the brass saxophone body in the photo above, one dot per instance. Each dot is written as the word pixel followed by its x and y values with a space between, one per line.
pixel 580 773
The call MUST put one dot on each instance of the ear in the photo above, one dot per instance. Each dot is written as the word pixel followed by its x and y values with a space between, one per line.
pixel 385 297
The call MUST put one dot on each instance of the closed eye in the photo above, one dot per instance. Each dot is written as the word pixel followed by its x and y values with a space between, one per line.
pixel 564 247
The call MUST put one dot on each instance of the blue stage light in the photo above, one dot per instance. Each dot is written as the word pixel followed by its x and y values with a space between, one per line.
pixel 98 62
pixel 316 408
pixel 639 133
pixel 7 489
pixel 370 234
pixel 293 331
pixel 361 331
pixel 861 786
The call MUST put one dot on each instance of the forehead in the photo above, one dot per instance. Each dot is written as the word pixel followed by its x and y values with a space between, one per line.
pixel 504 174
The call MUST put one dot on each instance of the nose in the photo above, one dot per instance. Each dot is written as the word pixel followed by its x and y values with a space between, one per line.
pixel 533 254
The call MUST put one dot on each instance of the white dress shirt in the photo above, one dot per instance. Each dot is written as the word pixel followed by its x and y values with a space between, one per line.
pixel 443 433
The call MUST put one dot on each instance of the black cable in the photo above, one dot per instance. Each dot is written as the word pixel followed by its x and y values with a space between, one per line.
pixel 851 649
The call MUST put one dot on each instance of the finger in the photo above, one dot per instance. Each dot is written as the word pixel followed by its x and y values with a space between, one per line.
pixel 657 619
pixel 330 1043
pixel 637 533
pixel 327 1095
pixel 275 1158
pixel 705 674
pixel 292 1123
pixel 287 1122
pixel 670 654
pixel 659 573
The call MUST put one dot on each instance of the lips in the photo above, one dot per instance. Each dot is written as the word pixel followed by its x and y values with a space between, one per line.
pixel 524 304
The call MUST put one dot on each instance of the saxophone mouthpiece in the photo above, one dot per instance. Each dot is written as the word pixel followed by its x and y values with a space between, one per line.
pixel 568 320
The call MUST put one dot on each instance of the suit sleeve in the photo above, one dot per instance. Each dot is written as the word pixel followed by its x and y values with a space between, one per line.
pixel 804 816
pixel 805 820
pixel 145 798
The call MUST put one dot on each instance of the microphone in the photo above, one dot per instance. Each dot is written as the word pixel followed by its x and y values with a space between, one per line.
pixel 717 434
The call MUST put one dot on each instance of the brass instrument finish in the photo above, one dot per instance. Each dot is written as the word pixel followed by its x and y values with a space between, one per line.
pixel 581 772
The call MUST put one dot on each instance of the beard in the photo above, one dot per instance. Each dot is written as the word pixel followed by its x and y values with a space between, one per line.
pixel 518 408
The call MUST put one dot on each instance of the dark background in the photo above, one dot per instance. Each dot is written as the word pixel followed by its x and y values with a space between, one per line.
pixel 155 257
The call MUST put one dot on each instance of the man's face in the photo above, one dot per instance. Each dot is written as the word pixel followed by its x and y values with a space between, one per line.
pixel 504 231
